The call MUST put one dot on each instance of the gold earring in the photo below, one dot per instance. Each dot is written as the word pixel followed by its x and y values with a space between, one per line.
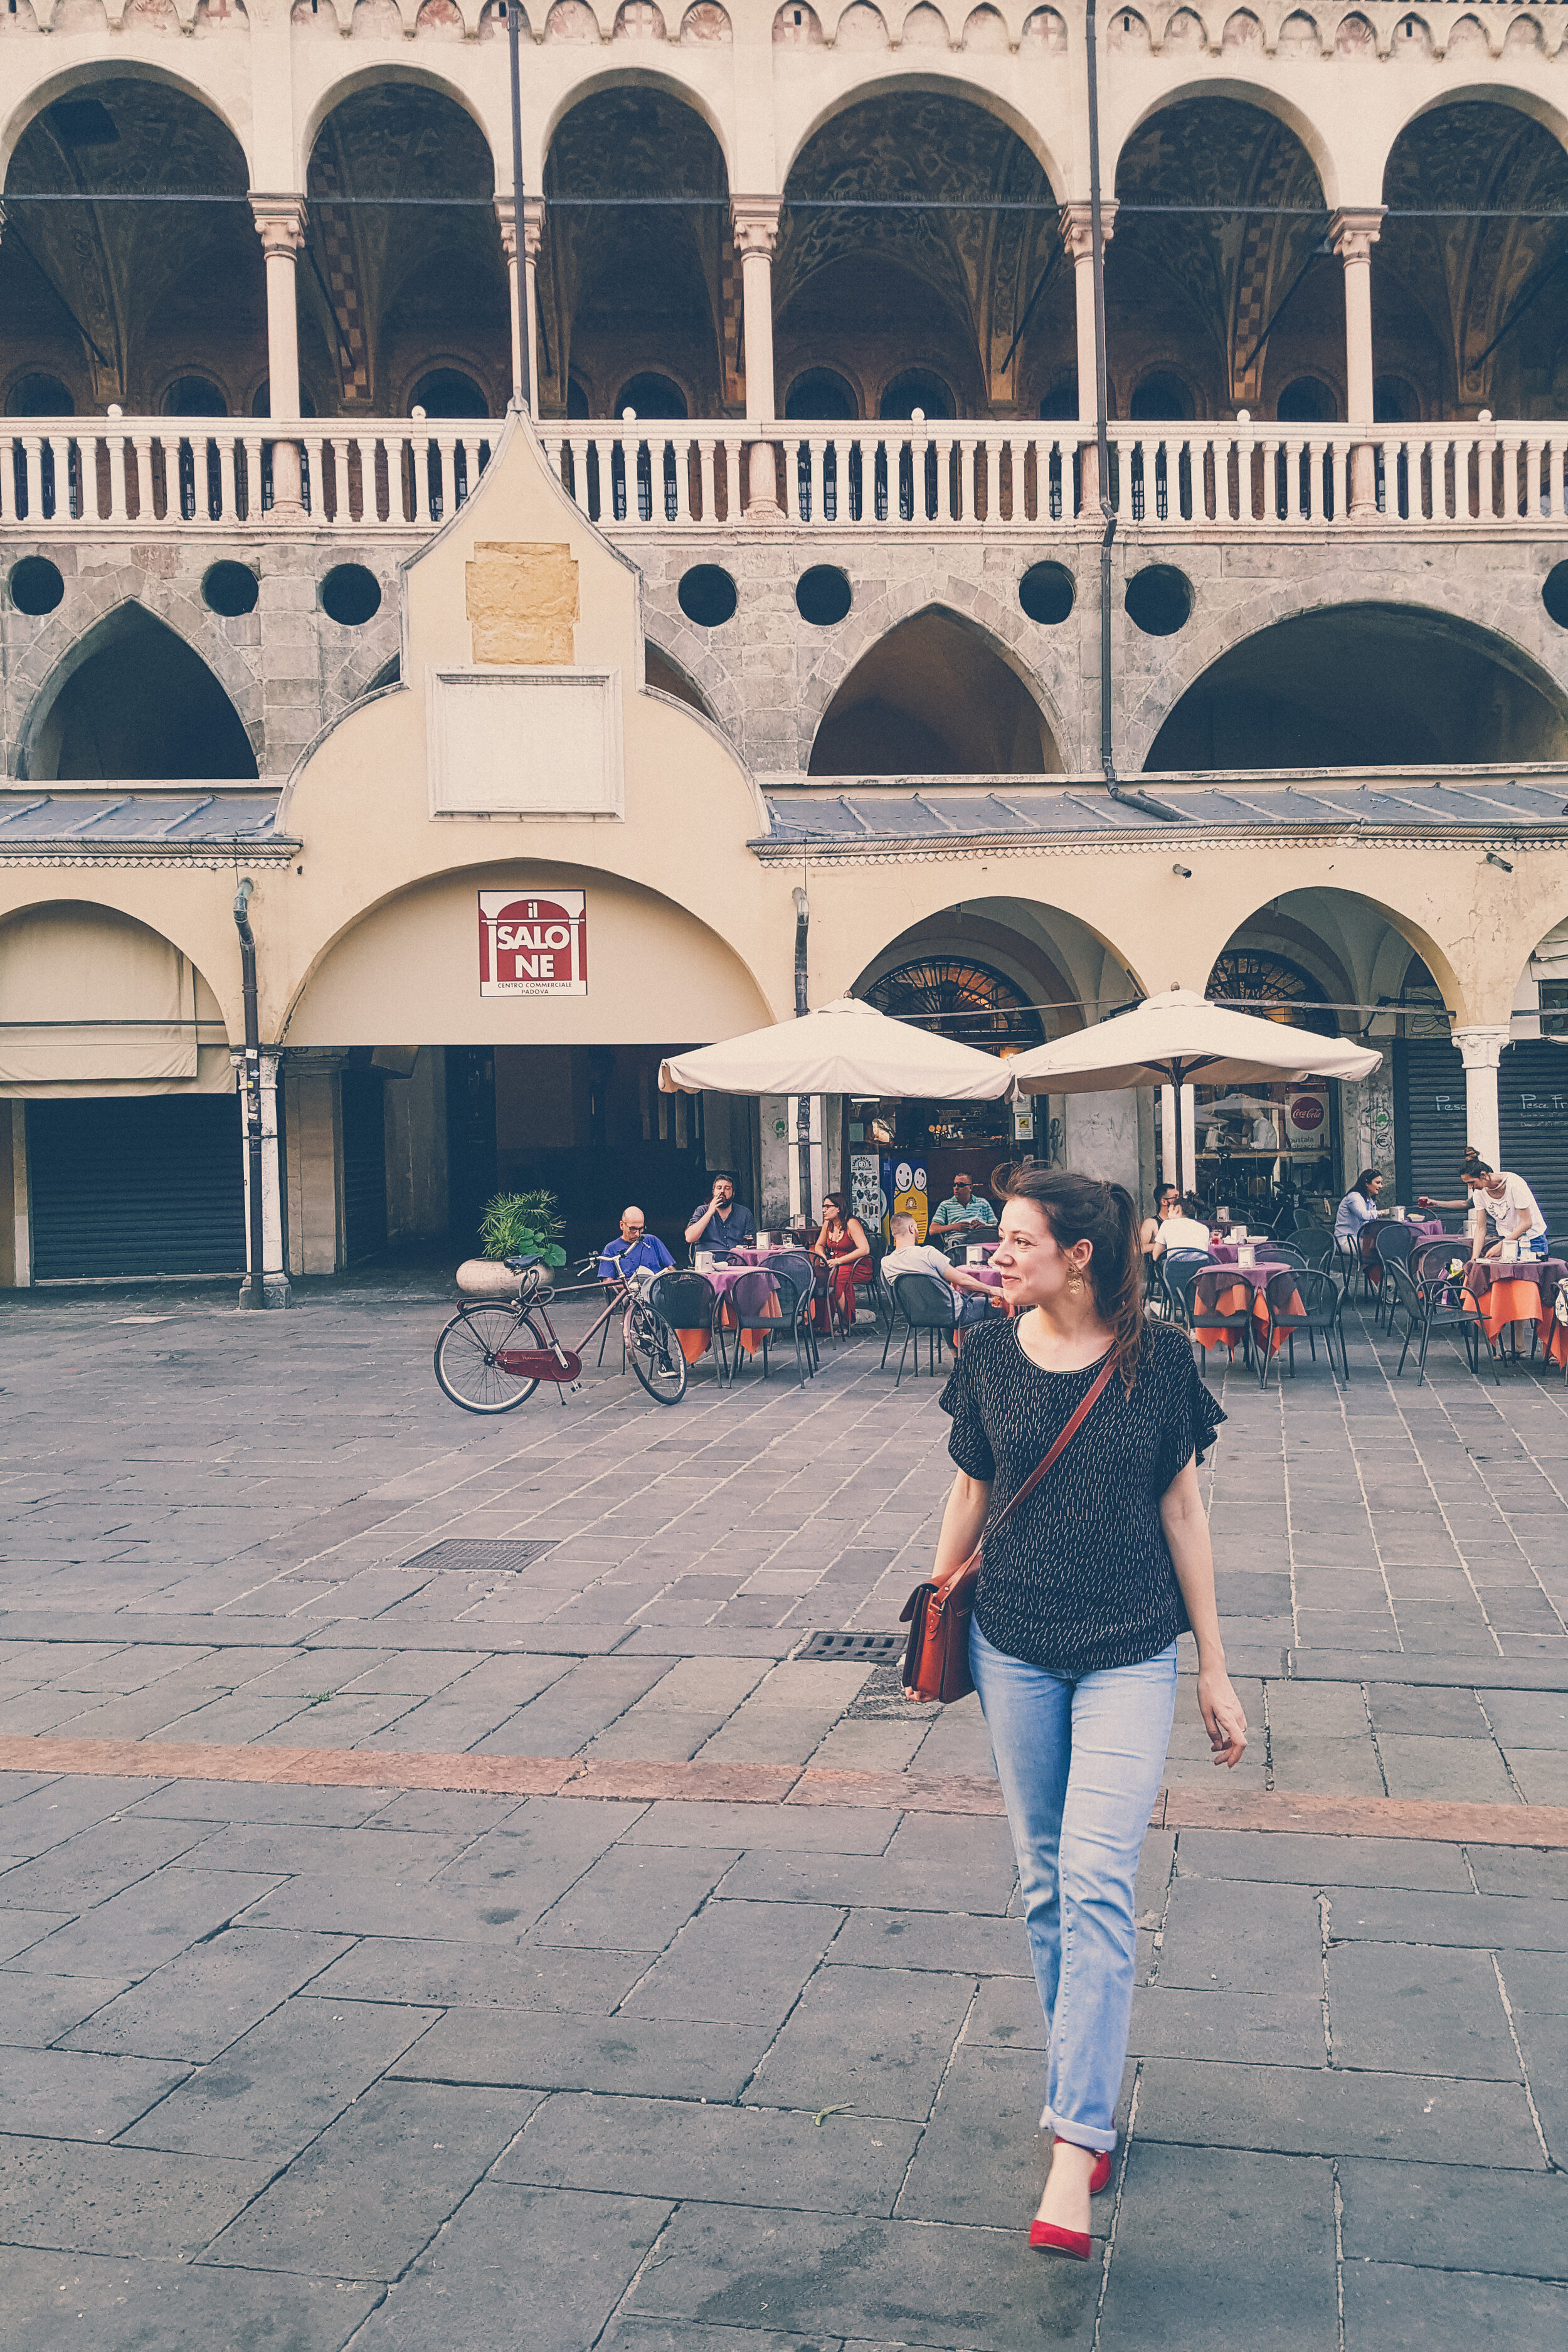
pixel 1075 1284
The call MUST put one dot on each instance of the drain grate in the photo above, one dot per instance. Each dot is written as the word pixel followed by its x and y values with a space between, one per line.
pixel 468 1557
pixel 858 1649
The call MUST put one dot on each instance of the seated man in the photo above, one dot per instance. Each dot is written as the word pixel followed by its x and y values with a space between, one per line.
pixel 908 1254
pixel 721 1223
pixel 965 1217
pixel 637 1251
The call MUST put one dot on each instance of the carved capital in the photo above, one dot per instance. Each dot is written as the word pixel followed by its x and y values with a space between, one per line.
pixel 1077 228
pixel 1481 1048
pixel 756 223
pixel 1354 232
pixel 532 228
pixel 280 223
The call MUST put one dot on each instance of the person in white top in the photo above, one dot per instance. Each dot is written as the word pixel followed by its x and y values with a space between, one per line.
pixel 908 1254
pixel 1513 1210
pixel 1182 1228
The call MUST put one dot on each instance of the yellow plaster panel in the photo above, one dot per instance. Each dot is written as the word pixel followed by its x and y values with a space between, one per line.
pixel 522 602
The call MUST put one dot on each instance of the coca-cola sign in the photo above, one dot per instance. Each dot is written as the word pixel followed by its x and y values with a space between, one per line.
pixel 534 944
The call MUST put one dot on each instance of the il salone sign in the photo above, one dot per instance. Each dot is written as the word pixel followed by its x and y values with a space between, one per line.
pixel 534 946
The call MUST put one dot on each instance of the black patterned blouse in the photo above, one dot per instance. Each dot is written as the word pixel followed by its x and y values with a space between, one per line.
pixel 1080 1578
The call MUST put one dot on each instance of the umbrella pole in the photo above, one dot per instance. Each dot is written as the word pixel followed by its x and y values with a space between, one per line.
pixel 1177 1090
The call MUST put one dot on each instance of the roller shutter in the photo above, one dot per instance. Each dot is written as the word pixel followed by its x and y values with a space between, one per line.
pixel 1429 1136
pixel 365 1166
pixel 136 1184
pixel 1532 1121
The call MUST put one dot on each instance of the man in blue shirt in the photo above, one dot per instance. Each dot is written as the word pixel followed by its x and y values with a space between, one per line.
pixel 636 1249
pixel 722 1223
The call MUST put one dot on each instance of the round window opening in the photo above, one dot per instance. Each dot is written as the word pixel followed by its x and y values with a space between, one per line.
pixel 707 595
pixel 1553 594
pixel 350 594
pixel 36 586
pixel 822 595
pixel 1159 600
pixel 230 589
pixel 1045 593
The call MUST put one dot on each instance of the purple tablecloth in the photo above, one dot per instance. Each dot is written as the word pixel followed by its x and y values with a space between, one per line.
pixel 724 1278
pixel 1221 1277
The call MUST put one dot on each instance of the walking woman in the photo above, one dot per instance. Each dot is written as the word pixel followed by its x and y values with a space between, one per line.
pixel 1080 1597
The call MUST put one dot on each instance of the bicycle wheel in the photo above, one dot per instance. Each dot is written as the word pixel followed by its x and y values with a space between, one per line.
pixel 658 1357
pixel 466 1355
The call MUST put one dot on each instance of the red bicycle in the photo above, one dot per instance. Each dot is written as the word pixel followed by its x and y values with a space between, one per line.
pixel 494 1352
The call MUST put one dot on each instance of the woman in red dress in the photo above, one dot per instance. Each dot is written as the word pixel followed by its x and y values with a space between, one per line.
pixel 848 1254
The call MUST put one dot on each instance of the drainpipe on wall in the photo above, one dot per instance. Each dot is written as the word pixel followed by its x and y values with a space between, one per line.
pixel 254 1292
pixel 802 1102
pixel 522 372
pixel 1140 801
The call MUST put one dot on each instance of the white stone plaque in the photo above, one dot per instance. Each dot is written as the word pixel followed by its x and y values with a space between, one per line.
pixel 525 742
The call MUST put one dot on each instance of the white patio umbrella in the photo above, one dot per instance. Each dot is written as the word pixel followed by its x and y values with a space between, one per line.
pixel 846 1049
pixel 1170 1039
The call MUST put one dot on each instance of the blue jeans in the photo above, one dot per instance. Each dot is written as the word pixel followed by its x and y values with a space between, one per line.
pixel 1080 1759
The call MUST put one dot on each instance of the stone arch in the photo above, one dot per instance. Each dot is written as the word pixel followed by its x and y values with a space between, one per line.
pixel 935 694
pixel 1311 134
pixel 79 954
pixel 621 288
pixel 361 968
pixel 1055 944
pixel 1294 924
pixel 638 77
pixel 76 80
pixel 419 73
pixel 881 86
pixel 147 670
pixel 1413 683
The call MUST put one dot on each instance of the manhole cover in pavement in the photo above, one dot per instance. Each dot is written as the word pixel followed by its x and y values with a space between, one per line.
pixel 856 1649
pixel 471 1557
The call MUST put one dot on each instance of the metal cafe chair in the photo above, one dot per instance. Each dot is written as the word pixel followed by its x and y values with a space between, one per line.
pixel 1204 1316
pixel 801 1272
pixel 1317 1308
pixel 1174 1267
pixel 767 1305
pixel 1315 1244
pixel 1392 1243
pixel 925 1303
pixel 1434 1302
pixel 689 1302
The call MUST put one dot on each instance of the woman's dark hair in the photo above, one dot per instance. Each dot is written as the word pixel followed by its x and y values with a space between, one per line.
pixel 1367 1176
pixel 1476 1168
pixel 1193 1206
pixel 1083 1209
pixel 834 1200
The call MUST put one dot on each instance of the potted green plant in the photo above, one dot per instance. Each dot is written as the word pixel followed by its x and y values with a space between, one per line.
pixel 522 1224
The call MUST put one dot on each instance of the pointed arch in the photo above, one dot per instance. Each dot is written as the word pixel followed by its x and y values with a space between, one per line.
pixel 132 700
pixel 936 695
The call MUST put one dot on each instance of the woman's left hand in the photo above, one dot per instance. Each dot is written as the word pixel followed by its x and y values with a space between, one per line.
pixel 1224 1717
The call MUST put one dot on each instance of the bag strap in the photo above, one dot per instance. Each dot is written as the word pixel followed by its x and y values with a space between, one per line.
pixel 1061 1447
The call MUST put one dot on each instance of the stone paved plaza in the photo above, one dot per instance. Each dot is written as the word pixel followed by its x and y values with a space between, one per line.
pixel 732 2045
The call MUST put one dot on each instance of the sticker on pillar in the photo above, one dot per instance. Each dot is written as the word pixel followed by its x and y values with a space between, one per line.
pixel 1308 1110
pixel 534 946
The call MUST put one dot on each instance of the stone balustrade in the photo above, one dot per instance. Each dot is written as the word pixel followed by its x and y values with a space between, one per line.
pixel 642 477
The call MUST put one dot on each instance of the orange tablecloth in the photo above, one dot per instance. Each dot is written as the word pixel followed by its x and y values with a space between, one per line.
pixel 1517 1298
pixel 694 1345
pixel 1231 1298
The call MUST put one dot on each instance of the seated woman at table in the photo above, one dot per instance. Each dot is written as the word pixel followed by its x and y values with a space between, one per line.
pixel 908 1254
pixel 1185 1228
pixel 1358 1206
pixel 843 1243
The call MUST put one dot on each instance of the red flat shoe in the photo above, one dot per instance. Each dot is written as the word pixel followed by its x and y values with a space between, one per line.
pixel 1048 2239
pixel 1100 2178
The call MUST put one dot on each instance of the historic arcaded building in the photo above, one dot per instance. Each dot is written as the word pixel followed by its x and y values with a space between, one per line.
pixel 528 729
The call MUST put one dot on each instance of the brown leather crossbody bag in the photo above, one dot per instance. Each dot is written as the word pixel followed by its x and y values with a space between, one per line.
pixel 936 1655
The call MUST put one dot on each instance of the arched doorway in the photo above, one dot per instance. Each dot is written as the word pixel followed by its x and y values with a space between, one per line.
pixel 1237 296
pixel 620 282
pixel 112 300
pixel 934 698
pixel 135 702
pixel 848 284
pixel 1409 685
pixel 391 296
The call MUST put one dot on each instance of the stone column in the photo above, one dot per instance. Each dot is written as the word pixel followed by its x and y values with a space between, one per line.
pixel 1077 230
pixel 1480 1050
pixel 1352 235
pixel 275 1291
pixel 756 229
pixel 280 225
pixel 524 320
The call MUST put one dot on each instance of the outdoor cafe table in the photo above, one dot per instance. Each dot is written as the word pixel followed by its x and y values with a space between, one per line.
pixel 722 1280
pixel 1225 1288
pixel 1522 1290
pixel 1425 1229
